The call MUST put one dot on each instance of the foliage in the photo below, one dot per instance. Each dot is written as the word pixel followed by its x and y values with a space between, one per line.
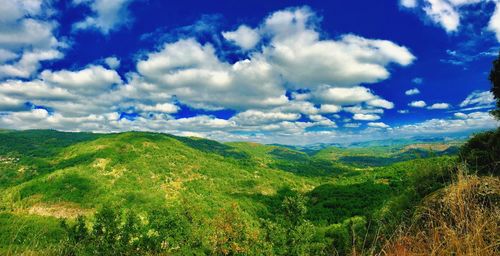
pixel 495 81
pixel 482 153
pixel 119 232
pixel 162 194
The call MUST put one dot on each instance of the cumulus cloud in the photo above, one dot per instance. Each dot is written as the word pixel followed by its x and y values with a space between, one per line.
pixel 329 108
pixel 418 104
pixel 300 55
pixel 443 13
pixel 27 37
pixel 448 13
pixel 460 115
pixel 461 123
pixel 244 37
pixel 439 106
pixel 381 103
pixel 365 117
pixel 295 57
pixel 254 117
pixel 408 3
pixel 378 125
pixel 413 91
pixel 359 109
pixel 343 96
pixel 112 62
pixel 195 74
pixel 159 107
pixel 494 24
pixel 107 15
pixel 10 104
pixel 88 81
pixel 284 90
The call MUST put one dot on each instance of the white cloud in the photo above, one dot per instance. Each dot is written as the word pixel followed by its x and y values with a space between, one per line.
pixel 26 38
pixel 254 117
pixel 417 104
pixel 413 91
pixel 352 125
pixel 244 37
pixel 89 81
pixel 34 90
pixel 408 3
pixel 448 13
pixel 299 54
pixel 322 74
pixel 297 106
pixel 112 62
pixel 358 109
pixel 159 107
pixel 443 13
pixel 107 16
pixel 320 120
pixel 478 99
pixel 343 96
pixel 460 115
pixel 365 117
pixel 463 123
pixel 403 111
pixel 294 58
pixel 381 103
pixel 10 104
pixel 439 106
pixel 329 108
pixel 194 74
pixel 494 24
pixel 28 63
pixel 378 125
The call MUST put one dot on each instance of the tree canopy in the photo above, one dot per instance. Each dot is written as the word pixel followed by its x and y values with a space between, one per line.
pixel 495 81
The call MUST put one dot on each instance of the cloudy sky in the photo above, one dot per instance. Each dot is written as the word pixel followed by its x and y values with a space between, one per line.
pixel 292 72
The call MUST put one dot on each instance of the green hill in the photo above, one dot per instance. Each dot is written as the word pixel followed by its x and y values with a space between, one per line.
pixel 272 193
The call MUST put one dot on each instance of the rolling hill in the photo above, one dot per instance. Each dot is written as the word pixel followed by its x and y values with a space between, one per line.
pixel 47 176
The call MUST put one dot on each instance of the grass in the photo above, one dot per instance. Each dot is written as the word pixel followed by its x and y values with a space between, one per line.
pixel 240 187
pixel 462 219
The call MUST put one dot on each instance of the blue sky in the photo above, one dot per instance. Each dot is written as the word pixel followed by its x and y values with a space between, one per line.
pixel 291 72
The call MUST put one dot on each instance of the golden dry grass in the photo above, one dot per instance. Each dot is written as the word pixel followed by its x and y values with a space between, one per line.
pixel 462 219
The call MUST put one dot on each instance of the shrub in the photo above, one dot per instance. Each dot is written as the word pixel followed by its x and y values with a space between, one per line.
pixel 482 153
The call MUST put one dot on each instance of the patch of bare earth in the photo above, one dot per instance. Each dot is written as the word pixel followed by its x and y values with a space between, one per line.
pixel 59 210
pixel 433 147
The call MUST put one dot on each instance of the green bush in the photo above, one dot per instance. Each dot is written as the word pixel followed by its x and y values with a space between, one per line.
pixel 482 153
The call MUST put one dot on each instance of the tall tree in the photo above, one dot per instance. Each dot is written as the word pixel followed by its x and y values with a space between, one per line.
pixel 495 81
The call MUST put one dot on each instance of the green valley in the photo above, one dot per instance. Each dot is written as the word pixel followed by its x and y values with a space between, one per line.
pixel 183 195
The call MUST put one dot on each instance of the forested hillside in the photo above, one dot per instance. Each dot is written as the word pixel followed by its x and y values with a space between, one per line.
pixel 154 193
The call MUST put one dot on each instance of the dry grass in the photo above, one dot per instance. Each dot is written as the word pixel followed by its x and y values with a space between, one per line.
pixel 427 146
pixel 463 219
pixel 59 210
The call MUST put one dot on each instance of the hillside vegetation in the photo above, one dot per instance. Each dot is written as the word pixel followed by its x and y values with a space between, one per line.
pixel 146 193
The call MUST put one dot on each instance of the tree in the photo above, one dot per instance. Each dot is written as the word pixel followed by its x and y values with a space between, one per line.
pixel 482 152
pixel 294 208
pixel 495 81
